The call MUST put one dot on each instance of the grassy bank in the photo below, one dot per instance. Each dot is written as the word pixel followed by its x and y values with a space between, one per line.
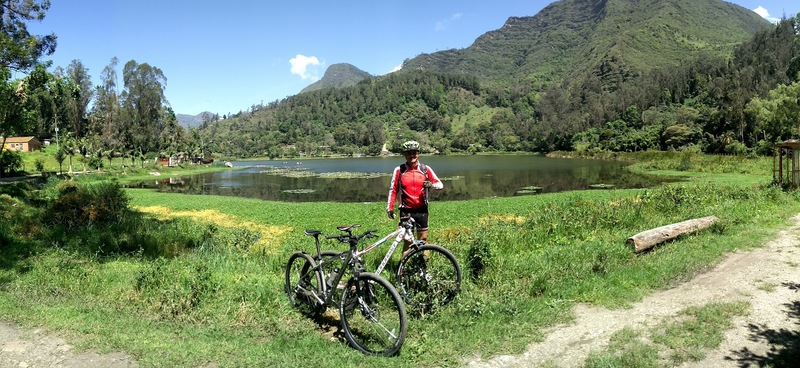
pixel 193 280
pixel 121 169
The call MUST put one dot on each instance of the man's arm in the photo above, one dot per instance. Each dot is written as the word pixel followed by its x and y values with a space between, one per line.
pixel 435 182
pixel 393 187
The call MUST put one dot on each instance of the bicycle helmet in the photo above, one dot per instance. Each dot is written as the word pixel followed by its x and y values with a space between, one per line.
pixel 410 146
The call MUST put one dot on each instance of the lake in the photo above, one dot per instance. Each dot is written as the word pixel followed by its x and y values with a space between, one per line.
pixel 366 179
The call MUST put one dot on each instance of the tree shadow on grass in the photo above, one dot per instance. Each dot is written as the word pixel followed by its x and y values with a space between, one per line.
pixel 784 343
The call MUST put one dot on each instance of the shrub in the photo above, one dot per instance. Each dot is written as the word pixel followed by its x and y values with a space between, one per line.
pixel 83 204
pixel 10 163
pixel 175 290
pixel 39 164
pixel 480 257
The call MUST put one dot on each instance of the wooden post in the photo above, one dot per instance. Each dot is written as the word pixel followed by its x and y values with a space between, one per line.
pixel 650 238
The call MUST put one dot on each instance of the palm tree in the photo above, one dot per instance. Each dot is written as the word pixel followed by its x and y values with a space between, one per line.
pixel 110 155
pixel 60 155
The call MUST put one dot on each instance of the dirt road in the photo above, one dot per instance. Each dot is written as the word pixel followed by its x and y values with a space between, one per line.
pixel 768 278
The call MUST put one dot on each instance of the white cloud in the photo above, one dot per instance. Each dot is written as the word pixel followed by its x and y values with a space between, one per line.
pixel 305 66
pixel 443 24
pixel 764 13
pixel 396 68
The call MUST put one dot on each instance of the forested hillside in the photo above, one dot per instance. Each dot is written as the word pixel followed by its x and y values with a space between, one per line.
pixel 613 39
pixel 590 75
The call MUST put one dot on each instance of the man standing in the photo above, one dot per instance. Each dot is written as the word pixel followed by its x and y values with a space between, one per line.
pixel 409 187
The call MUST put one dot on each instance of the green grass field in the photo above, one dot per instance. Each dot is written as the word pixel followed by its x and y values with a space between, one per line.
pixel 191 281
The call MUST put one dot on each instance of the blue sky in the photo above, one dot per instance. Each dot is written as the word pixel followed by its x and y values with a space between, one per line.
pixel 226 56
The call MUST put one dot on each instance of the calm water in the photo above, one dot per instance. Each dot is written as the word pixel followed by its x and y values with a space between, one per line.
pixel 464 177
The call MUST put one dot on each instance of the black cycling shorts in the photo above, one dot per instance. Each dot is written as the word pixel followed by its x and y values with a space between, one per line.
pixel 420 216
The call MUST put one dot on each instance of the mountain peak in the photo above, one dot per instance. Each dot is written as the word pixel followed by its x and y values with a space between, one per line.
pixel 337 76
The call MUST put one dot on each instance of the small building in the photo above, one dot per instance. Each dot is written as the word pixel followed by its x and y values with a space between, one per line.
pixel 168 161
pixel 786 163
pixel 22 144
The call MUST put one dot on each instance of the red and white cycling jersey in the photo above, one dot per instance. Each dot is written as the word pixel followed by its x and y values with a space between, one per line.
pixel 407 186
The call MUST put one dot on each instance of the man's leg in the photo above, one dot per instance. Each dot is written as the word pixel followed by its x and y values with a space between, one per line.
pixel 422 235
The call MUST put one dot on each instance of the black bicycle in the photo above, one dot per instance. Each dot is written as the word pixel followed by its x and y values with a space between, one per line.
pixel 428 276
pixel 371 311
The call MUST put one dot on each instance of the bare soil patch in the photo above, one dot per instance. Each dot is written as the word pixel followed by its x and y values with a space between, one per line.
pixel 34 348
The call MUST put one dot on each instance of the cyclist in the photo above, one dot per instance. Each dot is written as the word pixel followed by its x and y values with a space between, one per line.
pixel 409 187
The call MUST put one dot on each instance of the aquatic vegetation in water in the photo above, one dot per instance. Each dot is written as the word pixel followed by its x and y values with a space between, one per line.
pixel 351 175
pixel 289 172
pixel 529 190
pixel 299 191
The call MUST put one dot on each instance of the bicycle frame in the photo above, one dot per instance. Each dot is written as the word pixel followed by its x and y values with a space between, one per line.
pixel 329 282
pixel 405 231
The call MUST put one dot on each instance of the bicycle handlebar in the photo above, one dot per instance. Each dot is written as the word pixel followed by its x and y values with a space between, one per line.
pixel 347 238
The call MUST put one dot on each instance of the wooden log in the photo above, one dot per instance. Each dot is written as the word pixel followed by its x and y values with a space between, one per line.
pixel 650 238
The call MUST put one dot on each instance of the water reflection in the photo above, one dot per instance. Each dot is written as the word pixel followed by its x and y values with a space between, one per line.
pixel 464 177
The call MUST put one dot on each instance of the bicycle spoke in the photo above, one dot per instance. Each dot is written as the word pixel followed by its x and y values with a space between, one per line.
pixel 303 284
pixel 373 316
pixel 428 279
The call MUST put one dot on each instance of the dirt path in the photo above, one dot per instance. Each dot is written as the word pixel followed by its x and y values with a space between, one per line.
pixel 35 349
pixel 768 277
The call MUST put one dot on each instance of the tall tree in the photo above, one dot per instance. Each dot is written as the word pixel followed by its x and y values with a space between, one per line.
pixel 20 50
pixel 144 101
pixel 106 107
pixel 82 94
pixel 777 114
pixel 17 111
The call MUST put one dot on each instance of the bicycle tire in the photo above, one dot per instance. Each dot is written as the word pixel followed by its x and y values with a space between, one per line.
pixel 428 278
pixel 303 283
pixel 373 316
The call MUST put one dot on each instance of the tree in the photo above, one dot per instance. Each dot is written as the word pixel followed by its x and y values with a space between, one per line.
pixel 106 107
pixel 82 93
pixel 60 156
pixel 143 101
pixel 20 50
pixel 777 115
pixel 16 116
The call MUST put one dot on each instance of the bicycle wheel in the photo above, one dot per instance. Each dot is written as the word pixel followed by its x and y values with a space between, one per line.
pixel 373 315
pixel 303 283
pixel 428 278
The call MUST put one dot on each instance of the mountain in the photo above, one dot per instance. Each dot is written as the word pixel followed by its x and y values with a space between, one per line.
pixel 575 38
pixel 579 72
pixel 190 121
pixel 338 75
